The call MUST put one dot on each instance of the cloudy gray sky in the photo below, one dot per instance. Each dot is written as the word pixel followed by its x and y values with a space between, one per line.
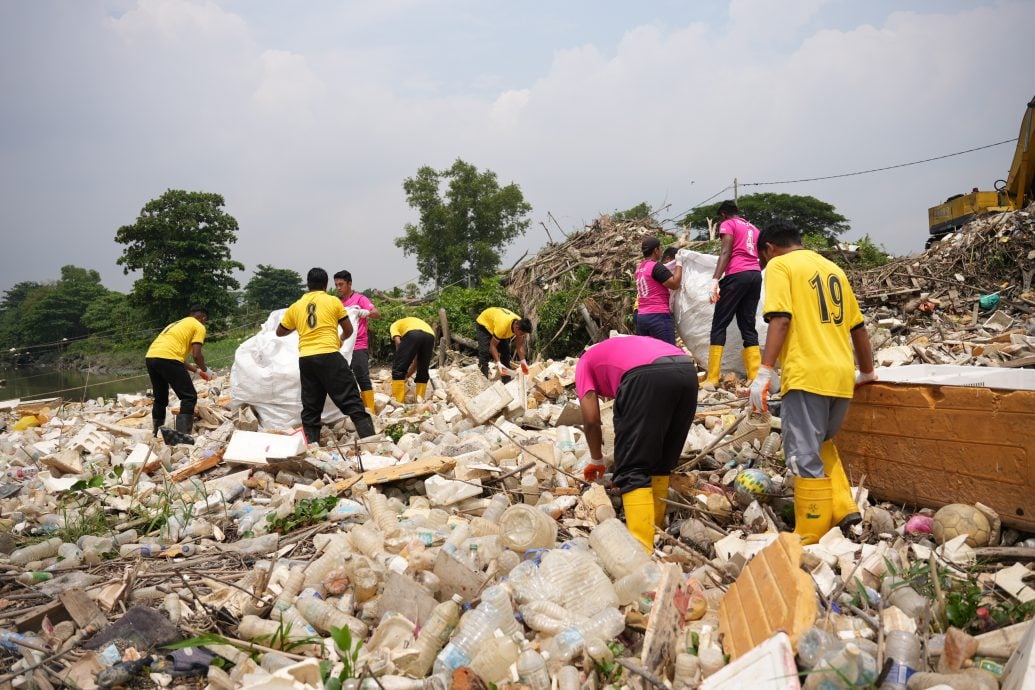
pixel 307 116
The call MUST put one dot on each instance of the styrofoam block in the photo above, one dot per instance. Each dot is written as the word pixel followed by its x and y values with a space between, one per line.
pixel 255 447
pixel 769 666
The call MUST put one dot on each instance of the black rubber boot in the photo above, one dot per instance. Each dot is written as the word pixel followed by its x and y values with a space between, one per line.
pixel 185 423
pixel 312 434
pixel 157 424
pixel 364 427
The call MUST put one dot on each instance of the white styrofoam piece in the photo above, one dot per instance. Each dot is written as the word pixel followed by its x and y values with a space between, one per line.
pixel 138 456
pixel 256 447
pixel 1019 673
pixel 769 666
pixel 952 375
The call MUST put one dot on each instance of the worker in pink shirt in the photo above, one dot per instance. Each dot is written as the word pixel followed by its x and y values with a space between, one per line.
pixel 735 291
pixel 654 283
pixel 360 358
pixel 654 386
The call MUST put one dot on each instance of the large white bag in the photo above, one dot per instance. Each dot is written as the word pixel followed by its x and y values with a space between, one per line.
pixel 693 312
pixel 265 375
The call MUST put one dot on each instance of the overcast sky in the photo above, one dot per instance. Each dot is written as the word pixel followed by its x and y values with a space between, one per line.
pixel 308 116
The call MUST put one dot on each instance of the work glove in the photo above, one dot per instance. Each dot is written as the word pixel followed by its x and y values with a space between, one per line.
pixel 524 367
pixel 767 378
pixel 204 374
pixel 504 371
pixel 713 291
pixel 862 379
pixel 362 313
pixel 595 469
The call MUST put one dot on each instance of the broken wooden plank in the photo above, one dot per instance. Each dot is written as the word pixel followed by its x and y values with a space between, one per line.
pixel 409 470
pixel 665 625
pixel 82 609
pixel 197 467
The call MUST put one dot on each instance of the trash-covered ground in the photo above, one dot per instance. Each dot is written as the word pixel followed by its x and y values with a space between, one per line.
pixel 464 549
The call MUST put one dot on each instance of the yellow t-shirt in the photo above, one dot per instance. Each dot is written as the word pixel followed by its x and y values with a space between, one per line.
pixel 316 318
pixel 817 355
pixel 175 340
pixel 410 323
pixel 498 321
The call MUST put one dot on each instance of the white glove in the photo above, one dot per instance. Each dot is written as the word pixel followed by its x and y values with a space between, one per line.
pixel 862 379
pixel 204 374
pixel 713 291
pixel 766 379
pixel 524 367
pixel 362 313
pixel 504 371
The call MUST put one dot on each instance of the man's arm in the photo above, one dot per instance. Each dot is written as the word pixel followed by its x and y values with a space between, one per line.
pixel 725 254
pixel 591 424
pixel 281 331
pixel 346 328
pixel 374 313
pixel 519 346
pixel 774 339
pixel 863 349
pixel 492 349
pixel 199 359
pixel 676 280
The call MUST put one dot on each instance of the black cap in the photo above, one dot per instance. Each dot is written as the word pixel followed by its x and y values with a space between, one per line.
pixel 649 244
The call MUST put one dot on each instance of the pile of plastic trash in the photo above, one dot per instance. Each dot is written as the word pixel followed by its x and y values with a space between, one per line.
pixel 463 549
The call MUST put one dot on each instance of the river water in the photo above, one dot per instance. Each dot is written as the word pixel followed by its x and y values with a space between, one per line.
pixel 70 385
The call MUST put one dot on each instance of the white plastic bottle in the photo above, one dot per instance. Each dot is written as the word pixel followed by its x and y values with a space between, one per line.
pixel 497 504
pixel 617 548
pixel 531 668
pixel 568 678
pixel 606 625
pixel 494 657
pixel 476 626
pixel 498 598
pixel 435 635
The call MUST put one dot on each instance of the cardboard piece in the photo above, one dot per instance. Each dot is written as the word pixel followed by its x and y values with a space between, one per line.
pixel 665 625
pixel 1011 580
pixel 1019 673
pixel 772 593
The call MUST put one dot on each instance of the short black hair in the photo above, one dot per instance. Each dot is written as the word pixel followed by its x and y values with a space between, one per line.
pixel 649 244
pixel 198 309
pixel 669 253
pixel 316 279
pixel 343 275
pixel 779 233
pixel 525 325
pixel 729 208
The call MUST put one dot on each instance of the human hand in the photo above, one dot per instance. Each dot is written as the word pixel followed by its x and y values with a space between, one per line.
pixel 362 313
pixel 595 469
pixel 713 291
pixel 766 379
pixel 504 371
pixel 524 367
pixel 204 374
pixel 861 379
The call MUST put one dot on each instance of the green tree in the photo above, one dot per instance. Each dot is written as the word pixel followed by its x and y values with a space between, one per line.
pixel 273 288
pixel 640 211
pixel 460 235
pixel 181 244
pixel 809 214
pixel 115 319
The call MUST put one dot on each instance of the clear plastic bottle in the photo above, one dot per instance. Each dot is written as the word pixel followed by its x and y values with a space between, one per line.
pixel 903 649
pixel 606 625
pixel 333 557
pixel 476 626
pixel 568 678
pixel 531 668
pixel 385 519
pixel 497 504
pixel 289 591
pixel 530 488
pixel 434 635
pixel 688 672
pixel 494 657
pixel 498 598
pixel 36 552
pixel 617 548
pixel 848 667
pixel 898 592
pixel 631 587
pixel 523 528
pixel 323 616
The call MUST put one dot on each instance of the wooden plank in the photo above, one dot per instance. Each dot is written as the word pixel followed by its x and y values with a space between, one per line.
pixel 1026 361
pixel 31 619
pixel 409 470
pixel 197 467
pixel 665 625
pixel 82 609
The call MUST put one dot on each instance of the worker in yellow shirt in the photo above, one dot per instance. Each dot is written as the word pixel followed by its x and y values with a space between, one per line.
pixel 323 326
pixel 414 342
pixel 167 367
pixel 497 329
pixel 814 324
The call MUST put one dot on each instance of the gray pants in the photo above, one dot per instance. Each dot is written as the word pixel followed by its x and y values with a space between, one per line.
pixel 809 420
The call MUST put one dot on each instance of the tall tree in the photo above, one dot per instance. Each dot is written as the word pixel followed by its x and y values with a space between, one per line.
pixel 809 214
pixel 460 236
pixel 39 313
pixel 273 288
pixel 181 243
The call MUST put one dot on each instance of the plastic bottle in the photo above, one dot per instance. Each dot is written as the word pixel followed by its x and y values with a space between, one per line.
pixel 333 557
pixel 434 635
pixel 323 616
pixel 631 587
pixel 814 644
pixel 530 488
pixel 903 649
pixel 477 625
pixel 71 557
pixel 498 598
pixel 494 657
pixel 617 548
pixel 173 607
pixel 365 583
pixel 382 515
pixel 688 672
pixel 32 578
pixel 523 528
pixel 456 538
pixel 531 668
pixel 568 678
pixel 21 474
pixel 898 592
pixel 606 625
pixel 497 504
pixel 36 552
pixel 848 667
pixel 253 627
pixel 708 652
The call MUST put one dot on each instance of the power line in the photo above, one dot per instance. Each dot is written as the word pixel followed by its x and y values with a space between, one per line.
pixel 873 170
pixel 698 205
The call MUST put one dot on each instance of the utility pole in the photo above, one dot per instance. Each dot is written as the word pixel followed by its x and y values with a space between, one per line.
pixel 735 197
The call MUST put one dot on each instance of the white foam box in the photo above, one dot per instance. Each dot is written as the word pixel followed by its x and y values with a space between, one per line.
pixel 769 666
pixel 256 447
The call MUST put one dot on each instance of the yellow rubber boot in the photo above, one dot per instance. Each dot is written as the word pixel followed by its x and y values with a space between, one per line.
pixel 752 357
pixel 398 390
pixel 422 389
pixel 813 508
pixel 714 365
pixel 846 512
pixel 368 400
pixel 639 516
pixel 659 488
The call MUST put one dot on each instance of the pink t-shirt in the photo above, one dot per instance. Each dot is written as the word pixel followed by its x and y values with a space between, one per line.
pixel 745 245
pixel 652 294
pixel 360 300
pixel 601 367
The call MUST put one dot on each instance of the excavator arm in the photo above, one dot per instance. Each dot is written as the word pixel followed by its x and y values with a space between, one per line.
pixel 1019 184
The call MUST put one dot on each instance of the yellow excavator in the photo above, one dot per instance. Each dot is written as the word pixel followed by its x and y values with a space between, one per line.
pixel 1013 193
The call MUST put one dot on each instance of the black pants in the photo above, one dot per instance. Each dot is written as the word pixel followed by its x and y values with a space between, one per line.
pixel 361 369
pixel 415 344
pixel 484 355
pixel 329 375
pixel 653 411
pixel 166 374
pixel 738 297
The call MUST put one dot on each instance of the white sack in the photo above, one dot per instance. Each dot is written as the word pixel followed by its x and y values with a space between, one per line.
pixel 265 375
pixel 693 312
